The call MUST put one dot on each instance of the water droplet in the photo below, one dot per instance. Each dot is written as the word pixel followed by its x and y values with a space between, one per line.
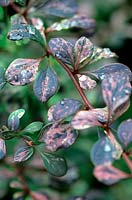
pixel 31 30
pixel 127 91
pixel 107 148
pixel 113 99
pixel 102 76
pixel 62 102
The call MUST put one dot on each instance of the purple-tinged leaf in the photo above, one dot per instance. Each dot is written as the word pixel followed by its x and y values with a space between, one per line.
pixel 2 77
pixel 77 198
pixel 124 132
pixel 108 174
pixel 116 90
pixel 22 71
pixel 62 49
pixel 46 84
pixel 112 68
pixel 2 149
pixel 102 152
pixel 38 196
pixel 23 154
pixel 83 50
pixel 76 21
pixel 58 136
pixel 60 8
pixel 63 109
pixel 14 119
pixel 4 2
pixel 54 164
pixel 86 119
pixel 86 82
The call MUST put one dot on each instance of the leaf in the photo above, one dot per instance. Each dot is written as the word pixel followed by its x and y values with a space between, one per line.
pixel 124 132
pixel 4 2
pixel 13 119
pixel 33 127
pixel 23 154
pixel 63 109
pixel 86 82
pixel 25 31
pixel 112 68
pixel 2 77
pixel 2 149
pixel 62 49
pixel 22 71
pixel 76 21
pixel 116 90
pixel 21 2
pixel 86 119
pixel 46 84
pixel 54 164
pixel 108 174
pixel 38 196
pixel 60 8
pixel 58 136
pixel 102 152
pixel 7 135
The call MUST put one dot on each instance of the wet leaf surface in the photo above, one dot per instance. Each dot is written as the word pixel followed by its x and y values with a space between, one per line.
pixel 102 152
pixel 63 109
pixel 23 154
pixel 2 149
pixel 108 174
pixel 46 84
pixel 62 49
pixel 54 164
pixel 124 132
pixel 58 136
pixel 116 90
pixel 86 119
pixel 112 68
pixel 22 71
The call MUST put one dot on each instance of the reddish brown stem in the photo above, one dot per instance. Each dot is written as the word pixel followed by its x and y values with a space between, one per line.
pixel 15 7
pixel 81 92
pixel 127 160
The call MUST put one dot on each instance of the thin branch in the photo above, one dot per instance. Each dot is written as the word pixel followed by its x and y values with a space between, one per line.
pixel 81 92
pixel 127 160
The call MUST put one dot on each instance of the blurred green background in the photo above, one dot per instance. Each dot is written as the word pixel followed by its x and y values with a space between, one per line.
pixel 114 30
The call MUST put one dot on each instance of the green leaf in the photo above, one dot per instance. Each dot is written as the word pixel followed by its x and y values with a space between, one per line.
pixel 33 127
pixel 14 119
pixel 54 164
pixel 23 31
pixel 23 154
pixel 46 84
pixel 21 2
pixel 7 135
pixel 2 77
pixel 76 21
pixel 2 149
pixel 22 71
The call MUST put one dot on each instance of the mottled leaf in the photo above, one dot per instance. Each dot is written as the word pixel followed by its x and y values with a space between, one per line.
pixel 102 152
pixel 86 82
pixel 108 174
pixel 2 149
pixel 17 19
pixel 23 154
pixel 13 119
pixel 116 90
pixel 112 68
pixel 124 132
pixel 62 49
pixel 58 136
pixel 54 164
pixel 46 84
pixel 76 21
pixel 60 8
pixel 22 71
pixel 38 196
pixel 4 2
pixel 2 77
pixel 33 127
pixel 7 135
pixel 64 108
pixel 21 2
pixel 25 31
pixel 86 119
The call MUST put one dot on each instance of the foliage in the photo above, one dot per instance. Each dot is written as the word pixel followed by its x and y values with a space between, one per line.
pixel 38 140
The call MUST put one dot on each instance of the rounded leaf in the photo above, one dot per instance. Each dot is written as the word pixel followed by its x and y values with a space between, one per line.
pixel 23 154
pixel 2 77
pixel 46 84
pixel 2 149
pixel 33 127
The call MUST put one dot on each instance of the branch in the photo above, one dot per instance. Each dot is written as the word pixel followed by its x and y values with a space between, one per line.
pixel 127 160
